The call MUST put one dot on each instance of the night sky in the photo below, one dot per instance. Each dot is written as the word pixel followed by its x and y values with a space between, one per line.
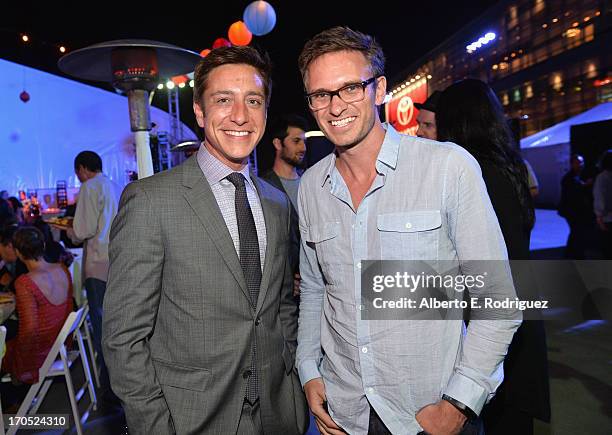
pixel 406 31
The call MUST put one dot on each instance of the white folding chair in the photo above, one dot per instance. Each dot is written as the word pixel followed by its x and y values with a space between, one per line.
pixel 53 367
pixel 2 341
pixel 86 334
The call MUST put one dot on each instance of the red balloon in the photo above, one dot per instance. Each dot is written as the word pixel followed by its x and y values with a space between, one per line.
pixel 221 42
pixel 239 34
pixel 205 52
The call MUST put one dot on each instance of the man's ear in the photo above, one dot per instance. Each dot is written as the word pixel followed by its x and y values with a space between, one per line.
pixel 381 90
pixel 277 144
pixel 199 114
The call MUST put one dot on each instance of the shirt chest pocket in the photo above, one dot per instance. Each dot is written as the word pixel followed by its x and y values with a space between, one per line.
pixel 324 238
pixel 410 235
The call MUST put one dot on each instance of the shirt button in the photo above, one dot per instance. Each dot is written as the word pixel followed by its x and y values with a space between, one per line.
pixel 364 349
pixel 369 390
pixel 361 307
pixel 246 374
pixel 359 265
pixel 257 321
pixel 408 225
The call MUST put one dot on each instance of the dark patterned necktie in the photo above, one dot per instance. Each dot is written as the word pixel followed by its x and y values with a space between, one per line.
pixel 250 263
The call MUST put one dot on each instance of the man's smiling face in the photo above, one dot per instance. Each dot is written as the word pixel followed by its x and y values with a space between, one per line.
pixel 232 113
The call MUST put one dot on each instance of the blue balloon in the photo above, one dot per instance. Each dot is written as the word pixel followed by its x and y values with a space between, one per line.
pixel 259 17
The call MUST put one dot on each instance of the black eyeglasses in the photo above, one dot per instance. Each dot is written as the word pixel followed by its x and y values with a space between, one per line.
pixel 350 93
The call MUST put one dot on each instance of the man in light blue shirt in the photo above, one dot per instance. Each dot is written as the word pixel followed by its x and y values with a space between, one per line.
pixel 384 196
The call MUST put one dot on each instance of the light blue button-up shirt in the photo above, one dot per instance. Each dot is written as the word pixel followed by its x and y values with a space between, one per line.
pixel 427 202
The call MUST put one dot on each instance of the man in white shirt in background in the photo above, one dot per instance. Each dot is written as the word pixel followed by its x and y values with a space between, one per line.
pixel 96 208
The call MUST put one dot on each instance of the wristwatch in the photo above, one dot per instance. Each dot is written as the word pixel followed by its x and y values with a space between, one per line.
pixel 461 407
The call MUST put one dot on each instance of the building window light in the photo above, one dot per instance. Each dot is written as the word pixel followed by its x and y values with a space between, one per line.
pixel 539 6
pixel 557 82
pixel 572 33
pixel 513 12
pixel 591 71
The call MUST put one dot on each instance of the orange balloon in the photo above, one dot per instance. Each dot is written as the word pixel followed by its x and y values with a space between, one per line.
pixel 204 52
pixel 239 34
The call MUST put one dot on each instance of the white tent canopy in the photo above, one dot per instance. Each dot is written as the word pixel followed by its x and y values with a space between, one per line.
pixel 548 152
pixel 39 139
pixel 560 133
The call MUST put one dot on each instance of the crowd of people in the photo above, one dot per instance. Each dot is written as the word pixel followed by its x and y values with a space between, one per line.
pixel 586 206
pixel 35 271
pixel 222 302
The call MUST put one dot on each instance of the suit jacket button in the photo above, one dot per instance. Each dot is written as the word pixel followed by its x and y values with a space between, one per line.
pixel 246 374
pixel 257 321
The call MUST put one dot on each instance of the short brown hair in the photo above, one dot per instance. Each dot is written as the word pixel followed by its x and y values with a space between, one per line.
pixel 232 55
pixel 342 38
pixel 30 242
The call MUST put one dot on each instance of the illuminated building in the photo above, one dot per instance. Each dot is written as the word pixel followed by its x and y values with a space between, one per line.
pixel 547 60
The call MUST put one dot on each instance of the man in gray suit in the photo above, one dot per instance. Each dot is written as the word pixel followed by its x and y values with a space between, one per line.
pixel 200 324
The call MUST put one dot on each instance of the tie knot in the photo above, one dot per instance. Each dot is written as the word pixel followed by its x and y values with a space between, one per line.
pixel 237 179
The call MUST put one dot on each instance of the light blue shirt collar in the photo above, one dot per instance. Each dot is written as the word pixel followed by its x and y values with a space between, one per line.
pixel 387 155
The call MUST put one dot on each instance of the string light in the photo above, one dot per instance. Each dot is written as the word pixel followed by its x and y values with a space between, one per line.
pixel 62 49
pixel 25 38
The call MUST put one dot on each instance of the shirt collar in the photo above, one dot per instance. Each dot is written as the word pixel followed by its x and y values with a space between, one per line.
pixel 387 155
pixel 389 150
pixel 214 170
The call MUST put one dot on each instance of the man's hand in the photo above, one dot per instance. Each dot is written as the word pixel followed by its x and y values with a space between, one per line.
pixel 441 418
pixel 315 395
pixel 296 284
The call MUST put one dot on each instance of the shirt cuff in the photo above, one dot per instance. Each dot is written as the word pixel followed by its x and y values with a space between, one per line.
pixel 308 370
pixel 466 391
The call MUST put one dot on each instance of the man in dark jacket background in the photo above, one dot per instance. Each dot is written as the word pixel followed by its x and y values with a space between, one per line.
pixel 288 134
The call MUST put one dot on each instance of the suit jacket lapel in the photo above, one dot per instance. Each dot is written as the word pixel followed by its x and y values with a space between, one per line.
pixel 202 200
pixel 272 229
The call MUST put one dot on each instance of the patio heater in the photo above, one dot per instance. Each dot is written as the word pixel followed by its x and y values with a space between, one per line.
pixel 133 66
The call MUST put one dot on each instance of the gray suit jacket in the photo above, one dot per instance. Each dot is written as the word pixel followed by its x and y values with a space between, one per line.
pixel 177 319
